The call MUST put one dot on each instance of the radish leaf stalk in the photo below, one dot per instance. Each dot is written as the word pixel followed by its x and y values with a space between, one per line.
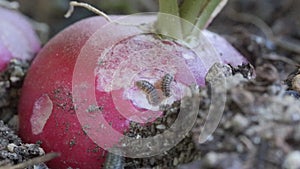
pixel 190 11
pixel 212 8
pixel 168 22
pixel 194 14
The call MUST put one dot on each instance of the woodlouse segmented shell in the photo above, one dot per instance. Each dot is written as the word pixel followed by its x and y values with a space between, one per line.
pixel 145 86
pixel 113 161
pixel 165 84
pixel 152 93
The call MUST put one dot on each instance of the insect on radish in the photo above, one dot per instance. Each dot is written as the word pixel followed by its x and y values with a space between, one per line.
pixel 165 84
pixel 113 161
pixel 151 92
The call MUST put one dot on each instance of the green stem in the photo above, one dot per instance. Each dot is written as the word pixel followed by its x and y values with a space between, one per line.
pixel 184 22
pixel 189 12
pixel 210 11
pixel 168 22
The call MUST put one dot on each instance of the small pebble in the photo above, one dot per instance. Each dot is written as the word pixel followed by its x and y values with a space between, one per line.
pixel 296 83
pixel 239 122
pixel 292 160
pixel 175 161
pixel 161 127
pixel 11 147
pixel 211 159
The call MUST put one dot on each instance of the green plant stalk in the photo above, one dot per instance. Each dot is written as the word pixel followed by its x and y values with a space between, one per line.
pixel 168 22
pixel 194 15
pixel 189 12
pixel 209 10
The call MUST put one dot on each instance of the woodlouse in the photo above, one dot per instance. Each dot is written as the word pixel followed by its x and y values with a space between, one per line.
pixel 151 92
pixel 165 84
pixel 113 161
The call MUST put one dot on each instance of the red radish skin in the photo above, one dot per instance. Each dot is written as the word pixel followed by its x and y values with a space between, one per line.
pixel 47 91
pixel 51 74
pixel 17 37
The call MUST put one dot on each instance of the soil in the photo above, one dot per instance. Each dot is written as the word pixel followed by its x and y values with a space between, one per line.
pixel 260 126
pixel 13 152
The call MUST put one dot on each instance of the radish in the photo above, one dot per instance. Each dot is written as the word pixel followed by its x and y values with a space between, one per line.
pixel 96 76
pixel 17 38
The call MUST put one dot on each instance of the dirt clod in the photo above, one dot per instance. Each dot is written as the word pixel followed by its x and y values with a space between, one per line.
pixel 13 151
pixel 10 87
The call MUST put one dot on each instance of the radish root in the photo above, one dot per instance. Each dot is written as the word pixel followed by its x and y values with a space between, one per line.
pixel 87 6
pixel 142 26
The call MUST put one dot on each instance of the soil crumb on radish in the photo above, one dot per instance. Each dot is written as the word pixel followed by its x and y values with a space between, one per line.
pixel 42 110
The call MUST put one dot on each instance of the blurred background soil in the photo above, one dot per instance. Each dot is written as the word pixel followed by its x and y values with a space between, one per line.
pixel 261 122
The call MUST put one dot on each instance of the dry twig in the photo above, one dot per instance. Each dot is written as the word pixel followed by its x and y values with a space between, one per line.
pixel 32 161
